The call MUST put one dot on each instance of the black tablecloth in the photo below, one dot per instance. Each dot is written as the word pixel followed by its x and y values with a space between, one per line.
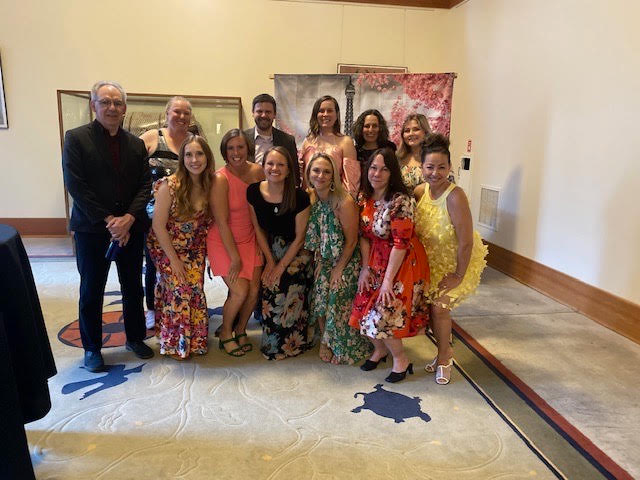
pixel 25 355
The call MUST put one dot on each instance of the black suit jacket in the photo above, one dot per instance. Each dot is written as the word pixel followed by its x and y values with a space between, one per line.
pixel 280 139
pixel 97 188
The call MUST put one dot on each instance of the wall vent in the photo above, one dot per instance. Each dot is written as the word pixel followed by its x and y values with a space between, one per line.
pixel 489 197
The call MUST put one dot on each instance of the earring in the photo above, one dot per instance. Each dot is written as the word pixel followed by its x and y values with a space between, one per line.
pixel 332 187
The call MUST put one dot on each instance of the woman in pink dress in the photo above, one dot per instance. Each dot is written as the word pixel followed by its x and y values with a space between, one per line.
pixel 324 136
pixel 231 243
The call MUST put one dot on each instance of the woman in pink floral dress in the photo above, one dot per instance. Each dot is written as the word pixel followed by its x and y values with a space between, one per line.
pixel 177 245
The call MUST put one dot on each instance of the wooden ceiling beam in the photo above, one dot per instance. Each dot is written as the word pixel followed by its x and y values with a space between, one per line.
pixel 407 3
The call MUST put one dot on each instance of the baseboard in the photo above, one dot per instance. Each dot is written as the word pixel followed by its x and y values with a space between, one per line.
pixel 618 314
pixel 38 226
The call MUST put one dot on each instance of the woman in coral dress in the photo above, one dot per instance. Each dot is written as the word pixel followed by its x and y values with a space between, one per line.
pixel 325 137
pixel 456 253
pixel 231 244
pixel 176 244
pixel 332 236
pixel 390 304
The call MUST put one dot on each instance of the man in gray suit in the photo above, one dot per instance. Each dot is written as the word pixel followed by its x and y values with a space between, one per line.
pixel 264 135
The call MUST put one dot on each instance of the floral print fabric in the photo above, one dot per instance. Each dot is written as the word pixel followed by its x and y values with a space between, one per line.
pixel 286 328
pixel 411 176
pixel 439 238
pixel 182 323
pixel 326 239
pixel 387 225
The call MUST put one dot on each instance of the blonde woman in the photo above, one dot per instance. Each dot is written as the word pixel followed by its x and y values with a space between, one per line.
pixel 415 129
pixel 177 244
pixel 332 235
pixel 163 145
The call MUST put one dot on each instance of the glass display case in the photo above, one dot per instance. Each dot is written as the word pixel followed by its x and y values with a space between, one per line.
pixel 212 117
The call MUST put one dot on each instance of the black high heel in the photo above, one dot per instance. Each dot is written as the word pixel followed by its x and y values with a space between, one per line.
pixel 395 377
pixel 369 365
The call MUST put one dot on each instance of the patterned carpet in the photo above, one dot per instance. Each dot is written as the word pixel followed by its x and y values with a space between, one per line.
pixel 221 417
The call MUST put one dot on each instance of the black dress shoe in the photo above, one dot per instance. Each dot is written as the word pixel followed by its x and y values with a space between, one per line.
pixel 139 349
pixel 395 377
pixel 369 365
pixel 93 361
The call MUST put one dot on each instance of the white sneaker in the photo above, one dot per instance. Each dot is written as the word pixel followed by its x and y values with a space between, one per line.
pixel 150 319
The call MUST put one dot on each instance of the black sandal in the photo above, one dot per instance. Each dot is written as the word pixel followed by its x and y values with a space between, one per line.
pixel 246 347
pixel 236 352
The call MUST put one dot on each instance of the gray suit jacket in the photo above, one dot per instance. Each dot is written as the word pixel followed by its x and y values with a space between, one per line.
pixel 280 139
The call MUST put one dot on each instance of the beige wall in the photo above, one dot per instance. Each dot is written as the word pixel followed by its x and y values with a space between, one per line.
pixel 197 47
pixel 546 92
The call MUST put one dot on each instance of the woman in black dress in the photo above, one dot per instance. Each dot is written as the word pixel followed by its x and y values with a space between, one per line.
pixel 279 213
pixel 370 133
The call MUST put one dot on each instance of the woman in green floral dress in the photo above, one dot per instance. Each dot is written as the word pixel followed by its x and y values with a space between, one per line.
pixel 332 235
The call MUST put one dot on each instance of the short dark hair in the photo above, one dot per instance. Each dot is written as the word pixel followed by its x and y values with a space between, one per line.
pixel 396 185
pixel 263 98
pixel 435 143
pixel 233 133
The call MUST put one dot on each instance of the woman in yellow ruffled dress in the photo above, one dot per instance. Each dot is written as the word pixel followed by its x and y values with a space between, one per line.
pixel 455 251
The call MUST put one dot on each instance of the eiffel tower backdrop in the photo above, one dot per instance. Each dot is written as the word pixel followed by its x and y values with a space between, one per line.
pixel 394 95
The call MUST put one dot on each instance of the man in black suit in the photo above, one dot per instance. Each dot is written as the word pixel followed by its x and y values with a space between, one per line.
pixel 264 135
pixel 106 172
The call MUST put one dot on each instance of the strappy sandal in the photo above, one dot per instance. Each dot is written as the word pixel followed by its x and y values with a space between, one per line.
pixel 236 352
pixel 431 367
pixel 443 373
pixel 246 347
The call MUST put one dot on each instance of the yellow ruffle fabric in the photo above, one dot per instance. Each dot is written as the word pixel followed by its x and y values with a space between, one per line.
pixel 437 234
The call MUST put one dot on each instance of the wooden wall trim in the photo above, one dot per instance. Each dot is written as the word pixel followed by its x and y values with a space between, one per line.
pixel 618 314
pixel 407 3
pixel 38 226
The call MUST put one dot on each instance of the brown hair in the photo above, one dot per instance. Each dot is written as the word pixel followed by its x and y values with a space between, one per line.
pixel 383 130
pixel 396 185
pixel 314 128
pixel 289 194
pixel 233 133
pixel 184 208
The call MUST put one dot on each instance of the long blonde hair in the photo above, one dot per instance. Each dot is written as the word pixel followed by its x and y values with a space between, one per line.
pixel 184 207
pixel 337 193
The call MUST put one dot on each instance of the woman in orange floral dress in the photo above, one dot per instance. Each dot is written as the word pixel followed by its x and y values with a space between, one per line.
pixel 177 245
pixel 390 302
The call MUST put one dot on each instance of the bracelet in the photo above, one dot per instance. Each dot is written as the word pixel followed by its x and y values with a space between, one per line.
pixel 458 275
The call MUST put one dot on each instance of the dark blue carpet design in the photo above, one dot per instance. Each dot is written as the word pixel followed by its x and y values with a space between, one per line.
pixel 391 405
pixel 114 293
pixel 116 375
pixel 214 311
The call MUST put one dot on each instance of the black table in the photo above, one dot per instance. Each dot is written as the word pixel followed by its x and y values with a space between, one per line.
pixel 26 361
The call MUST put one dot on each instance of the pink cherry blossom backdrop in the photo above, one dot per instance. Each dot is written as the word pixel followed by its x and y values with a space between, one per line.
pixel 395 95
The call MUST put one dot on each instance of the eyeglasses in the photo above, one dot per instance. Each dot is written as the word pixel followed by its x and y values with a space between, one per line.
pixel 104 102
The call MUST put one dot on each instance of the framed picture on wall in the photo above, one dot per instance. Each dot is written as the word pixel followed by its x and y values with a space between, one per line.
pixel 4 123
pixel 350 68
